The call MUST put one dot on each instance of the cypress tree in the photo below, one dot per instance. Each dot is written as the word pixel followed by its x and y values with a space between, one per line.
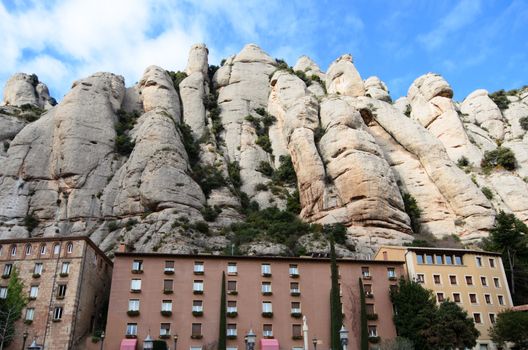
pixel 223 309
pixel 336 314
pixel 363 318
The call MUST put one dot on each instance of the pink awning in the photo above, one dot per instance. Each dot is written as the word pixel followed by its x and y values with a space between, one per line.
pixel 128 344
pixel 269 344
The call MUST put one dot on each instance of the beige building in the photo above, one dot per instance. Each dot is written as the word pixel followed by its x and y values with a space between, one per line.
pixel 474 279
pixel 67 280
pixel 170 295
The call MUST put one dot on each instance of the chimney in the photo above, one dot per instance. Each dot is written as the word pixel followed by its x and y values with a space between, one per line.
pixel 122 248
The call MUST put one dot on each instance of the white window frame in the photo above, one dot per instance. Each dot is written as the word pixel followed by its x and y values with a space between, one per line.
pixel 13 250
pixel 456 280
pixel 267 306
pixel 485 280
pixel 265 287
pixel 30 314
pixel 438 299
pixel 476 298
pixel 131 329
pixel 199 267
pixel 165 331
pixel 372 334
pixel 296 310
pixel 232 268
pixel 479 262
pixel 267 333
pixel 3 292
pixel 198 286
pixel 57 312
pixel 420 278
pixel 34 291
pixel 56 249
pixel 133 304
pixel 8 268
pixel 480 316
pixel 472 280
pixel 459 297
pixel 499 297
pixel 38 268
pixel 166 305
pixel 69 248
pixel 391 272
pixel 197 308
pixel 265 269
pixel 29 248
pixel 137 265
pixel 43 249
pixel 496 282
pixel 231 331
pixel 135 284
pixel 492 315
pixel 439 278
pixel 492 261
pixel 65 268
pixel 293 270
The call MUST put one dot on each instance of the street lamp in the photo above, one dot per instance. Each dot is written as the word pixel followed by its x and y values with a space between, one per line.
pixel 175 340
pixel 102 336
pixel 251 337
pixel 148 343
pixel 24 338
pixel 34 345
pixel 343 336
pixel 314 342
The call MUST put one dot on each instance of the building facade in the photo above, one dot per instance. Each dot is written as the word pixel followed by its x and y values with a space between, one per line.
pixel 67 280
pixel 179 295
pixel 474 279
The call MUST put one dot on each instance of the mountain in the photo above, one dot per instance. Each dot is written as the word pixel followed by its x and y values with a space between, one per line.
pixel 221 158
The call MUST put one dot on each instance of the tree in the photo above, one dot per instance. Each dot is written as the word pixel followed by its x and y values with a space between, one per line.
pixel 511 326
pixel 452 328
pixel 415 311
pixel 336 314
pixel 363 318
pixel 509 236
pixel 11 308
pixel 223 310
pixel 397 343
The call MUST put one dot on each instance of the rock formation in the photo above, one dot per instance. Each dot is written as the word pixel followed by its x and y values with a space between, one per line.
pixel 170 163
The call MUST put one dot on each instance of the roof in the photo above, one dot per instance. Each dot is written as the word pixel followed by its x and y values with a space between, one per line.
pixel 58 239
pixel 438 249
pixel 520 307
pixel 254 257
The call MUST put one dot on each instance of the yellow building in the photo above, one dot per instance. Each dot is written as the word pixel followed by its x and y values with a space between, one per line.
pixel 474 279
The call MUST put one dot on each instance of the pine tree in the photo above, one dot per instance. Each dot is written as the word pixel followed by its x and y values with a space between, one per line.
pixel 363 317
pixel 11 308
pixel 336 314
pixel 223 310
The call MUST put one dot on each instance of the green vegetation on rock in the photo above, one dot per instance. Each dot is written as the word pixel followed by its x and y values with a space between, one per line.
pixel 500 156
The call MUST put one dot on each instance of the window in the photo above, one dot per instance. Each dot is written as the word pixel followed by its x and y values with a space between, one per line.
pixel 436 279
pixel 69 248
pixel 56 249
pixel 65 268
pixel 200 348
pixel 266 306
pixel 294 270
pixel 453 279
pixel 33 292
pixel 440 297
pixel 30 314
pixel 169 267
pixel 267 330
pixel 479 261
pixel 231 287
pixel 197 306
pixel 365 272
pixel 13 250
pixel 391 273
pixel 456 297
pixel 198 286
pixel 473 298
pixel 296 331
pixel 266 287
pixel 458 260
pixel 135 285
pixel 449 260
pixel 28 249
pixel 487 298
pixel 167 286
pixel 131 329
pixel 492 318
pixel 369 308
pixel 476 317
pixel 196 330
pixel 367 288
pixel 61 291
pixel 428 258
pixel 137 266
pixel 496 282
pixel 501 299
pixel 7 270
pixel 199 267
pixel 483 281
pixel 266 270
pixel 294 288
pixel 164 329
pixel 231 268
pixel 231 306
pixel 469 280
pixel 295 307
pixel 57 313
pixel 43 249
pixel 133 305
pixel 372 331
pixel 166 305
pixel 37 270
pixel 231 330
pixel 420 258
pixel 3 292
pixel 439 259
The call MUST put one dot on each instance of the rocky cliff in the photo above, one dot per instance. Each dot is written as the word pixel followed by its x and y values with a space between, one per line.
pixel 189 161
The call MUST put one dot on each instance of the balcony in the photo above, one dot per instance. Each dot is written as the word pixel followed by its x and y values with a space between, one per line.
pixel 372 317
pixel 295 292
pixel 267 314
pixel 297 337
pixel 198 270
pixel 296 313
pixel 374 339
pixel 135 290
pixel 267 292
pixel 366 276
pixel 168 291
pixel 165 336
pixel 231 334
pixel 232 314
pixel 166 313
pixel 63 274
pixel 197 291
pixel 393 278
pixel 196 336
pixel 369 295
pixel 130 336
pixel 232 292
pixel 168 270
pixel 36 275
pixel 133 313
pixel 137 271
pixel 294 273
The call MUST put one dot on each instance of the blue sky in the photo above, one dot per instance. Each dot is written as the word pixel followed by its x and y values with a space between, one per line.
pixel 472 43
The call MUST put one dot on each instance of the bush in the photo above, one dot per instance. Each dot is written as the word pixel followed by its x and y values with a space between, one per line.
pixel 501 156
pixel 210 213
pixel 524 122
pixel 487 192
pixel 210 101
pixel 412 209
pixel 264 142
pixel 282 65
pixel 285 173
pixel 125 122
pixel 201 226
pixel 31 222
pixel 177 78
pixel 233 170
pixel 124 145
pixel 112 226
pixel 208 177
pixel 293 203
pixel 500 99
pixel 265 168
pixel 261 187
pixel 337 231
pixel 191 146
pixel 463 161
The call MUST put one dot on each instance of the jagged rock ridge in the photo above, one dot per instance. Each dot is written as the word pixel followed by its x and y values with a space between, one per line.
pixel 118 163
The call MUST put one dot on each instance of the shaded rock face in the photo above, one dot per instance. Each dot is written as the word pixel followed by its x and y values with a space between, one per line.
pixel 118 164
